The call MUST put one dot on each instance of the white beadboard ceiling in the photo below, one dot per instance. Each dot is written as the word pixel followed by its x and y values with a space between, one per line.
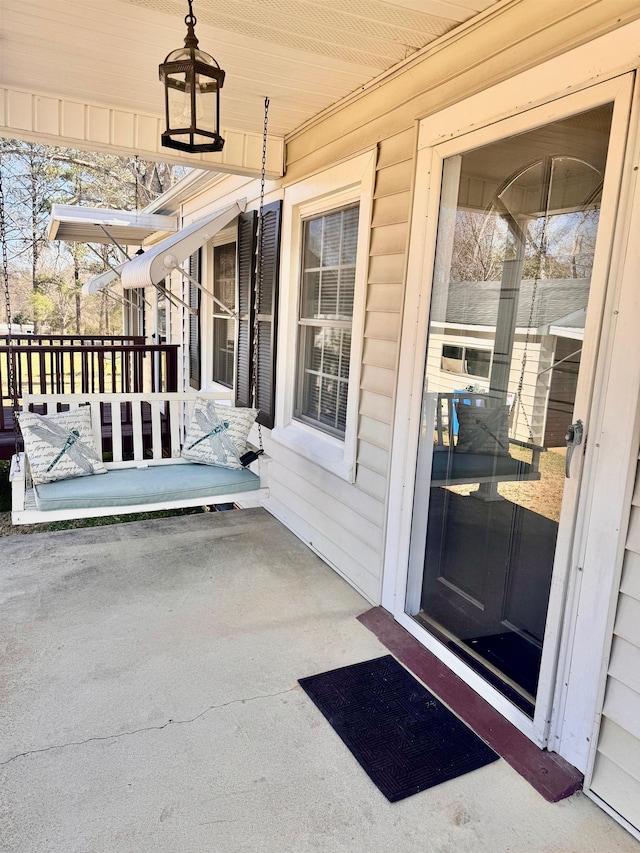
pixel 304 54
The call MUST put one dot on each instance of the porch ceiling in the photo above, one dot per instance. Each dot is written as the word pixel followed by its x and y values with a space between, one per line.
pixel 304 54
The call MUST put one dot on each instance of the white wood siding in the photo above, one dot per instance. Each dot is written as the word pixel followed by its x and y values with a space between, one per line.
pixel 616 772
pixel 345 522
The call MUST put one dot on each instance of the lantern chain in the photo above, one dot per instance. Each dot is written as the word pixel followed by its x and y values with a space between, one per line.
pixel 260 270
pixel 11 372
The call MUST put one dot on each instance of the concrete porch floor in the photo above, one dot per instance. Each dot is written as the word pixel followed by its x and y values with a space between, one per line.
pixel 150 703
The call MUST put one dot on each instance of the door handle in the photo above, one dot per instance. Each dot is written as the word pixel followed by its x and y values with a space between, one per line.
pixel 573 437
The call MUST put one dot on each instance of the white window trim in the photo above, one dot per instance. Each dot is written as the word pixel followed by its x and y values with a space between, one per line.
pixel 348 182
pixel 228 235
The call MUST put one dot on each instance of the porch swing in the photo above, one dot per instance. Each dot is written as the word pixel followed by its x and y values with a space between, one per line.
pixel 486 458
pixel 153 439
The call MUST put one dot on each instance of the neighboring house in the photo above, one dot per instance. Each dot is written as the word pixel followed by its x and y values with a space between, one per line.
pixel 548 334
pixel 374 305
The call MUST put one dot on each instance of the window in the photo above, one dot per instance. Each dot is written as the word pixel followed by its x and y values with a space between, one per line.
pixel 224 326
pixel 134 312
pixel 162 317
pixel 326 312
pixel 326 232
pixel 466 361
pixel 221 347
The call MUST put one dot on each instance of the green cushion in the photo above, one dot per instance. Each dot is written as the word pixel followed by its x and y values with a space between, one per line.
pixel 155 484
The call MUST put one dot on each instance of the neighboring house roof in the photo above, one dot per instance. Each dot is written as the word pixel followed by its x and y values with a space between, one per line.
pixel 475 303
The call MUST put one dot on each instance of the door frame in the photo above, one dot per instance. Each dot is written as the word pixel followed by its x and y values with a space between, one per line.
pixel 441 136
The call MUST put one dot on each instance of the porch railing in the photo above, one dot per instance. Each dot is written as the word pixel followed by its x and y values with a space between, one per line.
pixel 87 368
pixel 27 340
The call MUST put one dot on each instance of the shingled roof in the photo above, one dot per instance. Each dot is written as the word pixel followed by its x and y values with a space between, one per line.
pixel 475 303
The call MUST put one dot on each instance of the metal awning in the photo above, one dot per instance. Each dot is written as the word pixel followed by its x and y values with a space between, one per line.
pixel 160 260
pixel 99 282
pixel 76 224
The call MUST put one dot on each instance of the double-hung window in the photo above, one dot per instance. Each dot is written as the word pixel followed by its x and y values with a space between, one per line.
pixel 237 350
pixel 326 232
pixel 328 273
pixel 467 361
pixel 224 325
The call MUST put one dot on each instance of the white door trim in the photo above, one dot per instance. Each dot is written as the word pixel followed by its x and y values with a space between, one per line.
pixel 614 432
pixel 431 154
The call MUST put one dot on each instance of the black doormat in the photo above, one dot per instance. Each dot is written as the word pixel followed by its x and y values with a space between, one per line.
pixel 400 734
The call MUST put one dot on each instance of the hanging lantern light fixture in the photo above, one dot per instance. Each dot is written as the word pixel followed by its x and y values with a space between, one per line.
pixel 192 81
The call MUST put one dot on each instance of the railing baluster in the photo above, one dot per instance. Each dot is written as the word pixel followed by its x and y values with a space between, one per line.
pixel 116 431
pixel 101 356
pixel 43 372
pixel 136 413
pixel 174 426
pixel 49 364
pixel 156 430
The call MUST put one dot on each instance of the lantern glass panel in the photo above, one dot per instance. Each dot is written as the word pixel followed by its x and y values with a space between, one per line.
pixel 179 92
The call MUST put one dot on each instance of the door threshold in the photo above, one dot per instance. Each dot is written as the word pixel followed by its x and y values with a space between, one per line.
pixel 512 691
pixel 550 775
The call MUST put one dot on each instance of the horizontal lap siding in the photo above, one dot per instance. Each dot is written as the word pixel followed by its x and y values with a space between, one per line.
pixel 616 772
pixel 383 317
pixel 333 516
pixel 342 523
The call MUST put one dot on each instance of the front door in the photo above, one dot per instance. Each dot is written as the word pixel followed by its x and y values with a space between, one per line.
pixel 517 295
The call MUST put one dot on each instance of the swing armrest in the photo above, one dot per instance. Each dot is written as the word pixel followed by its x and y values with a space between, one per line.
pixel 18 478
pixel 539 447
pixel 20 470
pixel 536 450
pixel 260 466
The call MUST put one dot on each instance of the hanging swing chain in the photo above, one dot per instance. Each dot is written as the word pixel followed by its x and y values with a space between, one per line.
pixel 258 289
pixel 11 372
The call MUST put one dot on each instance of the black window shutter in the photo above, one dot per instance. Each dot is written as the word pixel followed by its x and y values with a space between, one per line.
pixel 268 313
pixel 194 322
pixel 246 282
pixel 267 310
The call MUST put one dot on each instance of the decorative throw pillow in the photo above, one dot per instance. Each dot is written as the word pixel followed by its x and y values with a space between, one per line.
pixel 240 422
pixel 483 430
pixel 60 446
pixel 207 440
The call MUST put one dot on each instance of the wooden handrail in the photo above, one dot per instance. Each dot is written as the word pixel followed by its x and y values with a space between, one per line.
pixel 23 339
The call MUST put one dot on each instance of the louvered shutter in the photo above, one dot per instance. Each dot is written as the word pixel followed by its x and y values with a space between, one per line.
pixel 246 282
pixel 268 313
pixel 194 322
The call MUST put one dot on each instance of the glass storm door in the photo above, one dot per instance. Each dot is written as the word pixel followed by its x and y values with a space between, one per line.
pixel 516 243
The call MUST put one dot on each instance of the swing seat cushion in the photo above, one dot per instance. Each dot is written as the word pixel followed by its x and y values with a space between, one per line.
pixel 154 484
pixel 453 468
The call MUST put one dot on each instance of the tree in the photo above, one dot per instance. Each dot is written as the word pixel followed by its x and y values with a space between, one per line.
pixel 479 246
pixel 35 177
